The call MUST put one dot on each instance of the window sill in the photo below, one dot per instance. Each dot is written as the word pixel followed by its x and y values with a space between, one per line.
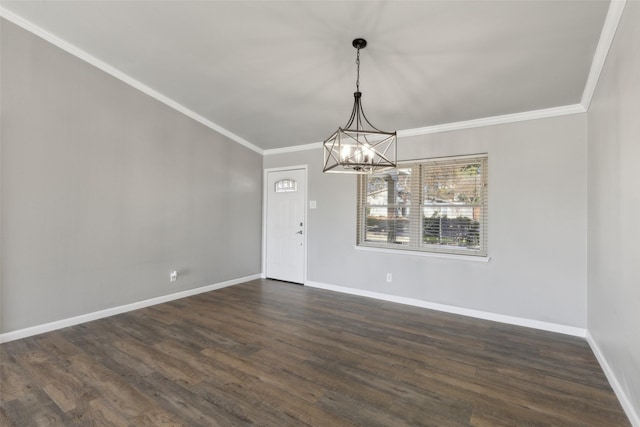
pixel 424 254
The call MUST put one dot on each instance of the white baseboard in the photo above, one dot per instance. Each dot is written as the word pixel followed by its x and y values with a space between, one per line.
pixel 625 402
pixel 59 324
pixel 512 320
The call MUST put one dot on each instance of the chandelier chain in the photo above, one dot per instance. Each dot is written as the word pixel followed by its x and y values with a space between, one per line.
pixel 358 72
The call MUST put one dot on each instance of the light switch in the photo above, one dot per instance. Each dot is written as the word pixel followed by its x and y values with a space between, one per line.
pixel 312 204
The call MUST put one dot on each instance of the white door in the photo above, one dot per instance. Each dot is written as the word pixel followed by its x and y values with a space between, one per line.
pixel 285 226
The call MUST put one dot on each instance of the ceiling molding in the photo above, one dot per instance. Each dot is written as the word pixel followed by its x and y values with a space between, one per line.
pixel 606 38
pixel 81 54
pixel 467 124
pixel 495 120
pixel 602 50
pixel 293 149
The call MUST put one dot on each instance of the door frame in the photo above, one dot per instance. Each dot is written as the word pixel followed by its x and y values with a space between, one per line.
pixel 265 194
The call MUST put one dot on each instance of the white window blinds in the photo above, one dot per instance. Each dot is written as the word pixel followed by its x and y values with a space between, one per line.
pixel 433 205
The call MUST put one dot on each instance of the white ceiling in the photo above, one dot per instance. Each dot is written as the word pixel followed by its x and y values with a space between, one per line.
pixel 282 73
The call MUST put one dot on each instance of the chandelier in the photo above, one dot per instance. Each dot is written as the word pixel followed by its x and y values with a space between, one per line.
pixel 359 147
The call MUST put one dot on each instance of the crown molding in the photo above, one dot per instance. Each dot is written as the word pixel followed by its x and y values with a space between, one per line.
pixel 606 38
pixel 467 124
pixel 101 65
pixel 292 149
pixel 602 50
pixel 495 120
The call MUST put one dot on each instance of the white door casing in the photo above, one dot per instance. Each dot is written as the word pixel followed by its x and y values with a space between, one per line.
pixel 285 224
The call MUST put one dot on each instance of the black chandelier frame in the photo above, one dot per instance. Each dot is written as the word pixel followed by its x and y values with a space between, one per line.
pixel 359 147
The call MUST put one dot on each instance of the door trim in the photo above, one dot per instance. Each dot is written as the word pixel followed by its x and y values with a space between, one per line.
pixel 265 193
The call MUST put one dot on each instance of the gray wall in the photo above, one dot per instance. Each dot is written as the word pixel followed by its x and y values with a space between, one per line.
pixel 537 225
pixel 105 190
pixel 614 207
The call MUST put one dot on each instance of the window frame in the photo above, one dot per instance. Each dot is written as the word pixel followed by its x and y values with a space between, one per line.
pixel 419 168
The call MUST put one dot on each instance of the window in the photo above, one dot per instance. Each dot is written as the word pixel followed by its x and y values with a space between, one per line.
pixel 286 186
pixel 431 205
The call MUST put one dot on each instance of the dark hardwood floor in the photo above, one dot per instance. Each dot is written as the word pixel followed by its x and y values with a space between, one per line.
pixel 275 354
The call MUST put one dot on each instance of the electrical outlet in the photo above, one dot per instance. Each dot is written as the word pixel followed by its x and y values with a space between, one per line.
pixel 389 278
pixel 173 276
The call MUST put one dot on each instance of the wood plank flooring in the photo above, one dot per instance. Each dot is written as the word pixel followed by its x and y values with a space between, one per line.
pixel 276 354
